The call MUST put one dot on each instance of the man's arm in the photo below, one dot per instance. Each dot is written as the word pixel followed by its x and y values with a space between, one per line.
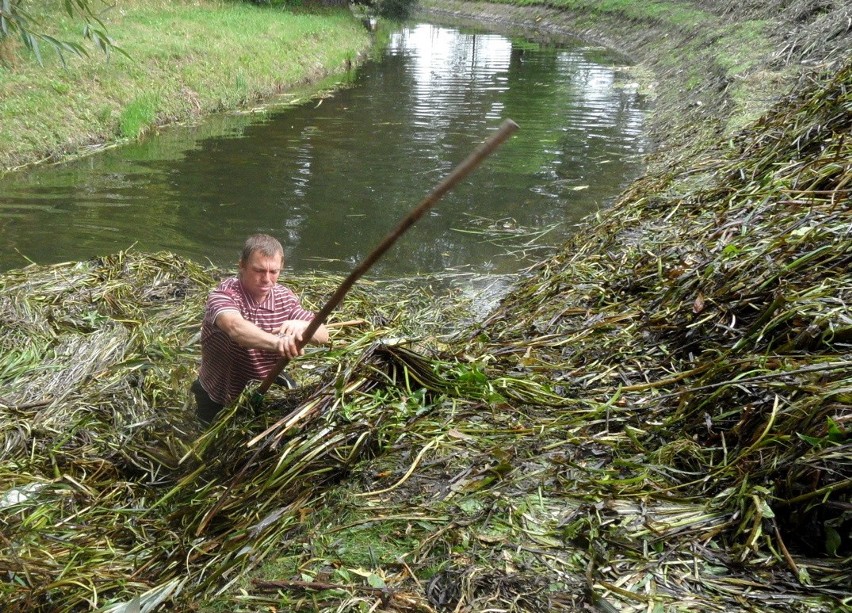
pixel 246 334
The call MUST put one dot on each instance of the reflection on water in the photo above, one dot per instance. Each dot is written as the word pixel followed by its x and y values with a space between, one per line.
pixel 332 177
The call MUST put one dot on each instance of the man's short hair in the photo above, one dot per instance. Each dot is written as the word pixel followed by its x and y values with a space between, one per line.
pixel 268 246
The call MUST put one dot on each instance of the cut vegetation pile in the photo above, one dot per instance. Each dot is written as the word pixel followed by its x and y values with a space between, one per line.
pixel 658 415
pixel 709 337
pixel 110 496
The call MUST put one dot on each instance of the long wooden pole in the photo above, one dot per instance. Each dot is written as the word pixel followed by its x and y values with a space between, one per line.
pixel 506 129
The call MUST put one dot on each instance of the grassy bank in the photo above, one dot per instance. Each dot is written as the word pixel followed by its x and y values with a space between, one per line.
pixel 186 59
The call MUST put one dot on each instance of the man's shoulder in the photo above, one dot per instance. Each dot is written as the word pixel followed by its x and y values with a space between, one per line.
pixel 228 284
pixel 227 290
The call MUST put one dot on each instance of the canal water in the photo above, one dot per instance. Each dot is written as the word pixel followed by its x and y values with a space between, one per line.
pixel 330 176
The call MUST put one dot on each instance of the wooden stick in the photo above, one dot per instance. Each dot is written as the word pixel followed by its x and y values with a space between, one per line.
pixel 460 172
pixel 343 324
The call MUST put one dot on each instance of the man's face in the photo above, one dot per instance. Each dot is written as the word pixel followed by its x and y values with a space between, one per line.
pixel 260 274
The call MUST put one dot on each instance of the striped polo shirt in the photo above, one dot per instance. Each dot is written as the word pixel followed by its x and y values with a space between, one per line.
pixel 226 368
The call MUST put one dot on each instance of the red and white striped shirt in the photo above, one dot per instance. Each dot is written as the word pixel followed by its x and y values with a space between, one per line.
pixel 226 368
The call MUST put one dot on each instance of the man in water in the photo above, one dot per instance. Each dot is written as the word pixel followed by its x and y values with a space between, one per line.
pixel 250 322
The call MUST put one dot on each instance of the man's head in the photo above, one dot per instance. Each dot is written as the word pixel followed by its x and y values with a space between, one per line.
pixel 260 264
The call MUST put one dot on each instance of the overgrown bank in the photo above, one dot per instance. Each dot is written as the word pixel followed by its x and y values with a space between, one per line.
pixel 186 59
pixel 657 418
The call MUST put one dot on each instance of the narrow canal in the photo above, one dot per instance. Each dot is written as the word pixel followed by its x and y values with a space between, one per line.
pixel 331 176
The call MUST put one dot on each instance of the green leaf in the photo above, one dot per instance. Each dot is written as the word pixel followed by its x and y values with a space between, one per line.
pixel 836 434
pixel 813 441
pixel 832 540
pixel 375 581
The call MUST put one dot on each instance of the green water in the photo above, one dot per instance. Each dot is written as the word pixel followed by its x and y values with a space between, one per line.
pixel 331 177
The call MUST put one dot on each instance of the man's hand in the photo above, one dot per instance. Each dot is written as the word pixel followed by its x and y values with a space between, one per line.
pixel 246 334
pixel 286 345
pixel 297 327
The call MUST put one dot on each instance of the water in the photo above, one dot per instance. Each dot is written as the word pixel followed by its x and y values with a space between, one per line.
pixel 331 177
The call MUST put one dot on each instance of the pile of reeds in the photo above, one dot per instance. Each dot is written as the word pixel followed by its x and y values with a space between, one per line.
pixel 715 332
pixel 110 494
pixel 657 417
